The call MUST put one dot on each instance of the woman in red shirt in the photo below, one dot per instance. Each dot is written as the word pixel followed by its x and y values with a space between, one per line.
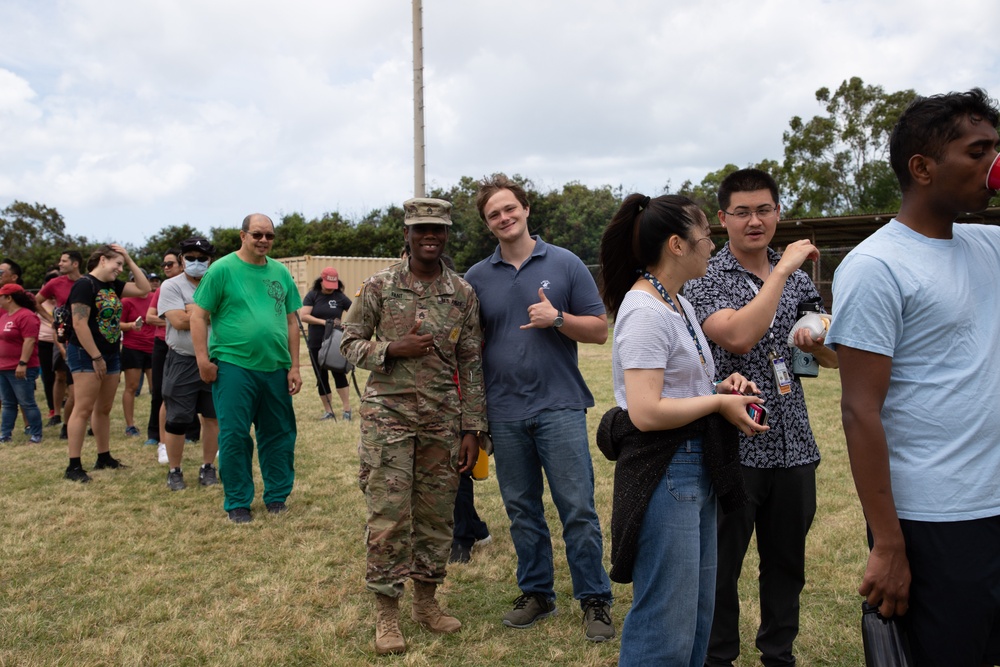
pixel 18 361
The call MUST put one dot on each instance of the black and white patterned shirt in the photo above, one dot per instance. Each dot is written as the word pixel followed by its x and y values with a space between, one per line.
pixel 790 441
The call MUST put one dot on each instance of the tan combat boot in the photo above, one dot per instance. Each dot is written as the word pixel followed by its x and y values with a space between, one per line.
pixel 388 636
pixel 426 611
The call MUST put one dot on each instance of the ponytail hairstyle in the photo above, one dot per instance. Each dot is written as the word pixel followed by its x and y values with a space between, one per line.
pixel 635 238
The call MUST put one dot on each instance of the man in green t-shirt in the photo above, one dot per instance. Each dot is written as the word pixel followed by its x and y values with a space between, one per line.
pixel 252 363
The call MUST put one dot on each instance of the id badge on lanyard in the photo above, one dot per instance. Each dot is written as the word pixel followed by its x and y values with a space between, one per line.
pixel 782 378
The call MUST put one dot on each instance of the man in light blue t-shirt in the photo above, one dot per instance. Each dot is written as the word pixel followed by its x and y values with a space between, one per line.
pixel 915 322
pixel 537 301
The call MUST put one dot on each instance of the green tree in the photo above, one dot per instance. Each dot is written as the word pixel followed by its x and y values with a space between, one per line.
pixel 837 163
pixel 151 254
pixel 34 235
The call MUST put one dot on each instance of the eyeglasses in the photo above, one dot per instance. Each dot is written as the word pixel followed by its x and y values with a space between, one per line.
pixel 195 258
pixel 167 265
pixel 762 213
pixel 257 236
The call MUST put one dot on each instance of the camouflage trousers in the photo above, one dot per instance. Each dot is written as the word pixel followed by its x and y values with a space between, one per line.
pixel 409 477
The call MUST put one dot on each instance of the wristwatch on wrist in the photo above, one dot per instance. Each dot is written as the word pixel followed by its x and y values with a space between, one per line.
pixel 22 363
pixel 558 322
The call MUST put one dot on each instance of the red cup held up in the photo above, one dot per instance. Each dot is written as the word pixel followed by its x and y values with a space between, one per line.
pixel 993 175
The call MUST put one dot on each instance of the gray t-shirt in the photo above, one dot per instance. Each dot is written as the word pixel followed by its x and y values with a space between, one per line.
pixel 649 335
pixel 176 294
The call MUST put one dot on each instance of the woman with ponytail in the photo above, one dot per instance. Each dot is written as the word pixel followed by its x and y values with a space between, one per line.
pixel 673 433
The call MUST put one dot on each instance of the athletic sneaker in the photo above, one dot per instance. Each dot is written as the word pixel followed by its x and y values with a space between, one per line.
pixel 62 433
pixel 161 453
pixel 277 507
pixel 528 608
pixel 35 439
pixel 77 475
pixel 131 432
pixel 207 475
pixel 240 515
pixel 460 553
pixel 151 441
pixel 597 623
pixel 109 464
pixel 5 439
pixel 483 542
pixel 175 480
pixel 347 415
pixel 54 420
pixel 327 415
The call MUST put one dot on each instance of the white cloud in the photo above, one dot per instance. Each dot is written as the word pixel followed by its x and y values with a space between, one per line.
pixel 185 111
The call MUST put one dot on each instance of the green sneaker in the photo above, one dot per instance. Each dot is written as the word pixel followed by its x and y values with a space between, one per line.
pixel 528 608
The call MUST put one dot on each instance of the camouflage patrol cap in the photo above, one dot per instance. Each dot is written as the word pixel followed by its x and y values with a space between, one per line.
pixel 423 211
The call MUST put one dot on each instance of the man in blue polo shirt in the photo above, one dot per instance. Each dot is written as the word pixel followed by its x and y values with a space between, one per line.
pixel 537 301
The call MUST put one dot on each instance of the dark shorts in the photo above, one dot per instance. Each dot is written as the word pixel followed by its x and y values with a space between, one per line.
pixel 80 362
pixel 184 392
pixel 954 613
pixel 136 359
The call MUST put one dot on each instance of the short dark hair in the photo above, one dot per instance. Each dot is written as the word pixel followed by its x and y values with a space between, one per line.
pixel 16 268
pixel 74 256
pixel 746 180
pixel 930 123
pixel 494 184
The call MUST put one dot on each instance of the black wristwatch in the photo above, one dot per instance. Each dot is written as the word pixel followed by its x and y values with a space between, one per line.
pixel 558 322
pixel 22 363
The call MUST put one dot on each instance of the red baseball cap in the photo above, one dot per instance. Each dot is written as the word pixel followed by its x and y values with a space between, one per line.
pixel 331 279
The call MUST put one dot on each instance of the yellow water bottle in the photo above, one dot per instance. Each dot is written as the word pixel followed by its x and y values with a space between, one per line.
pixel 481 470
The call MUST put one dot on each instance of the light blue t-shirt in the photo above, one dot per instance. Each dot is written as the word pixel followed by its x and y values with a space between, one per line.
pixel 933 305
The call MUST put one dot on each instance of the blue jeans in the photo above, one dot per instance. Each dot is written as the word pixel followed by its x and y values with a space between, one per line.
pixel 554 441
pixel 14 393
pixel 673 587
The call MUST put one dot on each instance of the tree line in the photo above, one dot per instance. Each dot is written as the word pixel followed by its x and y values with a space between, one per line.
pixel 835 163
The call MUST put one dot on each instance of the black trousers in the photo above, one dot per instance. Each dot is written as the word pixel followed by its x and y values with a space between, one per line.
pixel 468 526
pixel 160 350
pixel 45 351
pixel 781 510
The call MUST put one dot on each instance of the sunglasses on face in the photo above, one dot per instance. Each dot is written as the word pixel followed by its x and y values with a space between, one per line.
pixel 257 236
pixel 167 265
pixel 195 258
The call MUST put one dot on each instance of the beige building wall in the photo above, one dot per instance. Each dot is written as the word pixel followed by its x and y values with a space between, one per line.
pixel 353 271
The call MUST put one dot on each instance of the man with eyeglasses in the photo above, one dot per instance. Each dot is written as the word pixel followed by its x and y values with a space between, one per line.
pixel 185 394
pixel 252 363
pixel 747 303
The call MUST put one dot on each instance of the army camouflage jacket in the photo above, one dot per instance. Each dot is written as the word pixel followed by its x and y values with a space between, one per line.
pixel 387 306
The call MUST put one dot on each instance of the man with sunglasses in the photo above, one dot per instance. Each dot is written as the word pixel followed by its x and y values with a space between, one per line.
pixel 747 303
pixel 185 394
pixel 252 363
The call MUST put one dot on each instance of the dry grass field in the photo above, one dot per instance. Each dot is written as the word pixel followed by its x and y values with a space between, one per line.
pixel 124 572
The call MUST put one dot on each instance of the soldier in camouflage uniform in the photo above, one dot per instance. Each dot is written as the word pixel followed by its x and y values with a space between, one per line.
pixel 417 434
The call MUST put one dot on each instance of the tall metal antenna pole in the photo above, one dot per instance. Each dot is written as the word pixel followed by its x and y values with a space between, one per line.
pixel 418 101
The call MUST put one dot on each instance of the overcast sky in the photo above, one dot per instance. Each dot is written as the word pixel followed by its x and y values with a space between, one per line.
pixel 128 116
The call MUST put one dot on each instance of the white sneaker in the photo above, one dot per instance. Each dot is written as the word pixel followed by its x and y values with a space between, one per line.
pixel 161 453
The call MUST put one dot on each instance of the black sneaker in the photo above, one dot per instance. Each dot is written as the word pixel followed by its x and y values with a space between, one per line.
pixel 175 480
pixel 240 515
pixel 597 623
pixel 277 507
pixel 110 464
pixel 77 475
pixel 529 608
pixel 62 433
pixel 460 553
pixel 207 475
pixel 54 420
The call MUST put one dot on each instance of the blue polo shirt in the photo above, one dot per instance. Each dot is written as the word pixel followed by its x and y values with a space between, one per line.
pixel 528 371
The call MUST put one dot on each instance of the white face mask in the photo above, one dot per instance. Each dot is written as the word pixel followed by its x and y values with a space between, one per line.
pixel 196 269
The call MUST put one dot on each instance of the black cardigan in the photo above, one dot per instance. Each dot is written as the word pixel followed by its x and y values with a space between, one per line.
pixel 641 461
